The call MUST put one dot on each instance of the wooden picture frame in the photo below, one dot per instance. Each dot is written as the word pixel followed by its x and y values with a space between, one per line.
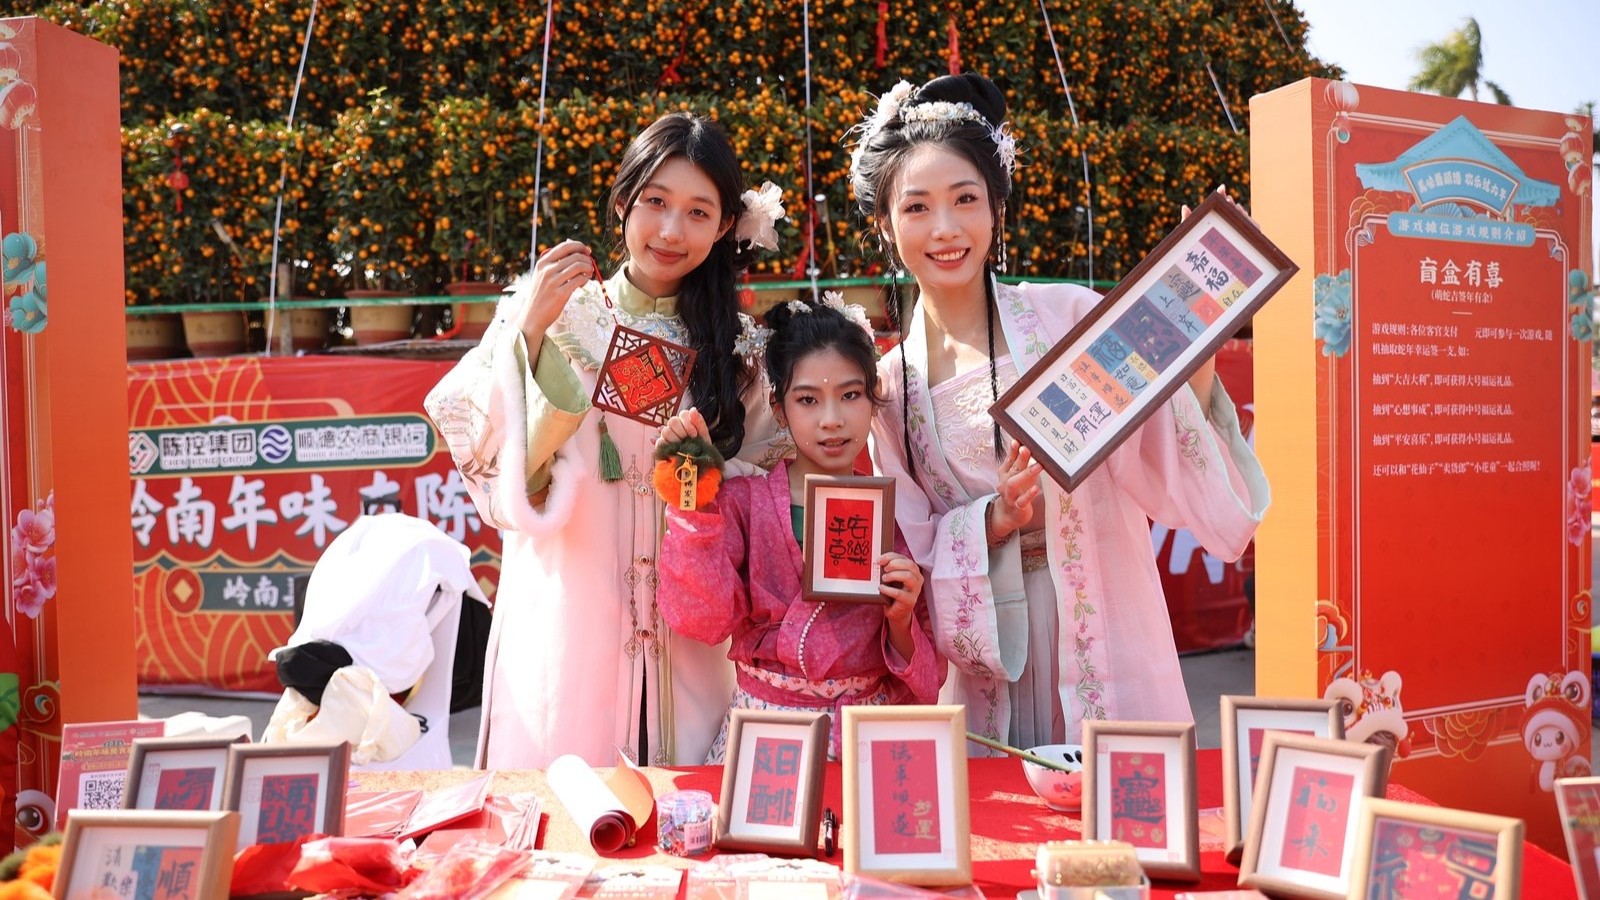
pixel 1390 844
pixel 146 846
pixel 849 522
pixel 178 773
pixel 643 377
pixel 906 815
pixel 1303 823
pixel 1139 786
pixel 1245 722
pixel 285 791
pixel 1578 800
pixel 772 781
pixel 1141 343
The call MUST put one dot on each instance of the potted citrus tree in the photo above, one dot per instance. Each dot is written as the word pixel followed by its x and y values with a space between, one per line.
pixel 380 213
pixel 182 181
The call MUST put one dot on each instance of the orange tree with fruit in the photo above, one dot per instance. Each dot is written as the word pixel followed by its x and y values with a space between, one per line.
pixel 1150 121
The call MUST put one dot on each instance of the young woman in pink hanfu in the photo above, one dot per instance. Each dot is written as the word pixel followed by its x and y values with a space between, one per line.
pixel 1047 603
pixel 733 567
pixel 579 660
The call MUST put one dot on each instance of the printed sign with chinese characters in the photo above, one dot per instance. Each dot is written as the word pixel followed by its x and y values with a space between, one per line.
pixel 243 470
pixel 1431 433
pixel 1319 817
pixel 1139 799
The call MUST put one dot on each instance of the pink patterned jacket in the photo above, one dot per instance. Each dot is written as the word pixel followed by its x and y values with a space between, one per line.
pixel 734 569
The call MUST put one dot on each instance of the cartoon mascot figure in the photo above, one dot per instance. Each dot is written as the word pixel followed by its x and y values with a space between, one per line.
pixel 1372 711
pixel 1554 725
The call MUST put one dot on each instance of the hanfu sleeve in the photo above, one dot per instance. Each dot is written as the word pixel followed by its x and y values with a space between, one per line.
pixel 1187 469
pixel 921 676
pixel 974 592
pixel 494 390
pixel 704 565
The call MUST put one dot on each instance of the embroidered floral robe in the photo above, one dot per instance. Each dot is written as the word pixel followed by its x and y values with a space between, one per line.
pixel 734 569
pixel 1115 654
pixel 577 644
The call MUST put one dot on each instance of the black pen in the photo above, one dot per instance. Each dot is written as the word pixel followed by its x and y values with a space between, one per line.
pixel 830 831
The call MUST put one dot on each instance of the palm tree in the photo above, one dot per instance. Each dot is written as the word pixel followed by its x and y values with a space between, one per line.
pixel 1455 64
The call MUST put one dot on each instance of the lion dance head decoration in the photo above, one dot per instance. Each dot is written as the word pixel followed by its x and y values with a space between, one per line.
pixel 1372 712
pixel 1554 726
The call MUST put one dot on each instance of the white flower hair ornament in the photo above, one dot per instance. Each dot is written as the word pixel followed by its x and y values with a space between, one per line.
pixel 757 225
pixel 855 312
pixel 752 339
pixel 888 105
pixel 1005 143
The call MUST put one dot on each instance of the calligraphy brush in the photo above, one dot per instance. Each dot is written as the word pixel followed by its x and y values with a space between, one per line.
pixel 1021 754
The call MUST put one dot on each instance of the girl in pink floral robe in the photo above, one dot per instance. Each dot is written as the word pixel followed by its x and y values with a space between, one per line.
pixel 734 568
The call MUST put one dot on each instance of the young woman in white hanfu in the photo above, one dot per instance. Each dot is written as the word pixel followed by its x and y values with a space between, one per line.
pixel 579 660
pixel 1048 604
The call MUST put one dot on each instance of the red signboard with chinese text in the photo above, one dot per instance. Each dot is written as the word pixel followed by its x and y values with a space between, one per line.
pixel 1427 449
pixel 243 470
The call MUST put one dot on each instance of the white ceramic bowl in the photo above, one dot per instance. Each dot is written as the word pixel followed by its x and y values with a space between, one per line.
pixel 1061 791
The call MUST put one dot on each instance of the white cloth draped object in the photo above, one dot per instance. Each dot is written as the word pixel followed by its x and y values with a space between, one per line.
pixel 389 591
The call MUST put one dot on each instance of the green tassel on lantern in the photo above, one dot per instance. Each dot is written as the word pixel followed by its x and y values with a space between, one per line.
pixel 610 459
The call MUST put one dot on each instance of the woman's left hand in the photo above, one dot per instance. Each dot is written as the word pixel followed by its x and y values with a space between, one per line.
pixel 901 585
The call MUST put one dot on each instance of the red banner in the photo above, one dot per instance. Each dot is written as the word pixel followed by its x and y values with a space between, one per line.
pixel 243 470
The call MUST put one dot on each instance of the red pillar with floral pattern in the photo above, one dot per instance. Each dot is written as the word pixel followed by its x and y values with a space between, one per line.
pixel 63 398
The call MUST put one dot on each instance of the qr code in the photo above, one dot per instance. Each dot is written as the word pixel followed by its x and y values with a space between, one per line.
pixel 101 790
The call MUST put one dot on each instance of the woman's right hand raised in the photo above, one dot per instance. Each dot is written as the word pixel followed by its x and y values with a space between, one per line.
pixel 1016 493
pixel 557 273
pixel 686 424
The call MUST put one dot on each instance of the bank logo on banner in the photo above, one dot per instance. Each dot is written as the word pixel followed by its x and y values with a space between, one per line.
pixel 276 444
pixel 320 444
pixel 1463 186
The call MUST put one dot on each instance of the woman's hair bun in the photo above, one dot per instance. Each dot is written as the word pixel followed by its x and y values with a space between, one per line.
pixel 970 88
pixel 779 316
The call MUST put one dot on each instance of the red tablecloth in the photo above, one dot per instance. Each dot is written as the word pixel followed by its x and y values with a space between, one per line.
pixel 1008 823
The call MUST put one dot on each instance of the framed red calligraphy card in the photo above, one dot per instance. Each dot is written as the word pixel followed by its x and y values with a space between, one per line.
pixel 1410 850
pixel 849 522
pixel 1139 787
pixel 183 773
pixel 1143 341
pixel 772 781
pixel 1245 723
pixel 643 377
pixel 905 794
pixel 284 792
pixel 1578 800
pixel 156 854
pixel 1303 823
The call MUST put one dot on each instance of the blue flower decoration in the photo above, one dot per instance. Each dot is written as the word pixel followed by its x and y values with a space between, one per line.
pixel 1580 303
pixel 29 310
pixel 17 250
pixel 1331 323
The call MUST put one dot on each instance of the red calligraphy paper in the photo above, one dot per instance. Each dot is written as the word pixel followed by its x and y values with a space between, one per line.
pixel 774 782
pixel 848 553
pixel 186 788
pixel 1139 799
pixel 905 797
pixel 1258 737
pixel 288 808
pixel 1319 814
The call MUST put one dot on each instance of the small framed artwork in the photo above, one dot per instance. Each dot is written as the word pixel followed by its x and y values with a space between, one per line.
pixel 284 792
pixel 1578 800
pixel 772 781
pixel 905 794
pixel 1245 723
pixel 1139 787
pixel 185 773
pixel 1143 341
pixel 643 377
pixel 849 521
pixel 145 853
pixel 1303 824
pixel 1406 849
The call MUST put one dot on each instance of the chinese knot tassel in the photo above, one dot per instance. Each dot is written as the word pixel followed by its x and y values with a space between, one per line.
pixel 610 459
